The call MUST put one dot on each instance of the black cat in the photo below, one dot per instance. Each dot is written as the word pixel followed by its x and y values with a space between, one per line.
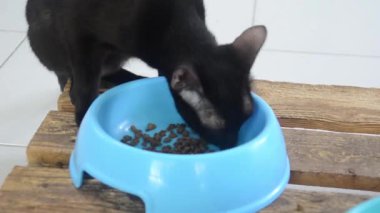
pixel 85 40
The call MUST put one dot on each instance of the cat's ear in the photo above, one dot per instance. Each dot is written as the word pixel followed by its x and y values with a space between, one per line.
pixel 249 43
pixel 184 77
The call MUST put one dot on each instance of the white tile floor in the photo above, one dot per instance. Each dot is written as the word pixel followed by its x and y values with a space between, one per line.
pixel 8 42
pixel 316 41
pixel 12 15
pixel 28 91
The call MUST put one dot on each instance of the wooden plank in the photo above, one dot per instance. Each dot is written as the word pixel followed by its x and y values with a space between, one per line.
pixel 315 200
pixel 38 189
pixel 335 108
pixel 64 103
pixel 54 140
pixel 33 189
pixel 334 159
pixel 317 158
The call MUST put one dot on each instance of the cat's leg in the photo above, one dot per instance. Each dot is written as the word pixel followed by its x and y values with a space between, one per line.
pixel 71 92
pixel 119 77
pixel 85 61
pixel 113 73
pixel 48 48
pixel 62 80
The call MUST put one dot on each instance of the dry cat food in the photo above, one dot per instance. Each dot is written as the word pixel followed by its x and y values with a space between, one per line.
pixel 174 139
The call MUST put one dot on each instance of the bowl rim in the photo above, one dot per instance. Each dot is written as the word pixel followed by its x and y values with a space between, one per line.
pixel 96 106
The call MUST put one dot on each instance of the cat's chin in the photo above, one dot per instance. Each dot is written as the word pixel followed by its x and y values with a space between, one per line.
pixel 221 138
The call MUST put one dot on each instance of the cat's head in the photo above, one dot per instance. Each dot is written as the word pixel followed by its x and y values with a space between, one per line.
pixel 212 93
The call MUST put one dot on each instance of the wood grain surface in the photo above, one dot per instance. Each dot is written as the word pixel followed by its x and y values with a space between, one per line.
pixel 334 159
pixel 54 140
pixel 45 190
pixel 318 158
pixel 42 189
pixel 305 199
pixel 335 108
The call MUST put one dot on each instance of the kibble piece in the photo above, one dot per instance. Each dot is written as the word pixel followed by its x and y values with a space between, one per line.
pixel 126 139
pixel 167 149
pixel 139 135
pixel 181 129
pixel 134 129
pixel 162 133
pixel 184 144
pixel 146 136
pixel 180 140
pixel 148 139
pixel 157 137
pixel 167 140
pixel 185 133
pixel 171 127
pixel 172 135
pixel 186 149
pixel 135 141
pixel 150 127
pixel 150 148
pixel 177 145
pixel 155 143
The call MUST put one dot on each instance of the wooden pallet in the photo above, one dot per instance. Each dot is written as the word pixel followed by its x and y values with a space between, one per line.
pixel 347 158
pixel 39 189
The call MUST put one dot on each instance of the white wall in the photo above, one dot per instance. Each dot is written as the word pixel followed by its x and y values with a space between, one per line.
pixel 320 41
pixel 314 41
pixel 228 19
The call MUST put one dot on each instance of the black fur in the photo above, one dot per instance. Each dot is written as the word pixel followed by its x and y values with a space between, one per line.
pixel 85 40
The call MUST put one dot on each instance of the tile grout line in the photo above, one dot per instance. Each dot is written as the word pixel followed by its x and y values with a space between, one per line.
pixel 254 12
pixel 320 53
pixel 12 145
pixel 12 31
pixel 13 52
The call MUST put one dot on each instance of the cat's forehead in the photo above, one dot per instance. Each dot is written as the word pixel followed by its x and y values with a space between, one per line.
pixel 226 92
pixel 226 77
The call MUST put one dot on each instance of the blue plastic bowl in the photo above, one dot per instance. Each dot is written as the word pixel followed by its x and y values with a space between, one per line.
pixel 369 206
pixel 245 178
